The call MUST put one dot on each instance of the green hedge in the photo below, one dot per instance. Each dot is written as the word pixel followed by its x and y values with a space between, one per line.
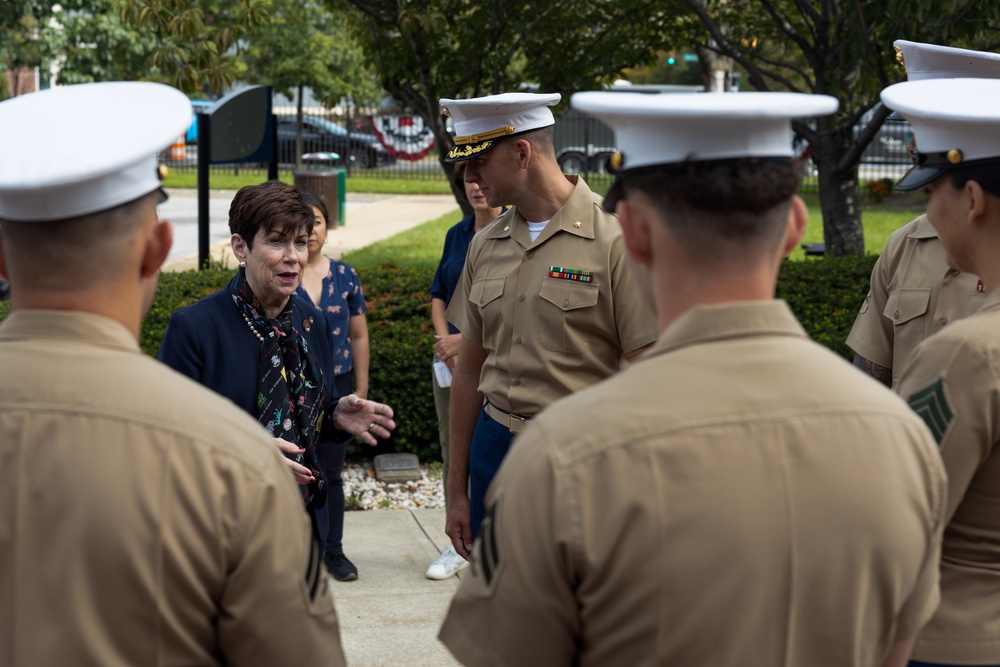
pixel 824 294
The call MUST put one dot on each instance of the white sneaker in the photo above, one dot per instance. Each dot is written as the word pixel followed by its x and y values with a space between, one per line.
pixel 448 564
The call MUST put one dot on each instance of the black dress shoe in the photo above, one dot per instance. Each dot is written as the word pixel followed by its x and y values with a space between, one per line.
pixel 340 567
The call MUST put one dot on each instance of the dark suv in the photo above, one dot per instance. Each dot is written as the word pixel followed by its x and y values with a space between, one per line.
pixel 320 135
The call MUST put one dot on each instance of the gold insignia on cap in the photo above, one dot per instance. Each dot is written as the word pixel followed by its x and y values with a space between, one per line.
pixel 483 136
pixel 616 161
pixel 468 150
pixel 954 156
pixel 899 56
pixel 162 171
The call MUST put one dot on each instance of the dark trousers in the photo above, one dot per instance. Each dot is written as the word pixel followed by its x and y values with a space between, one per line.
pixel 490 443
pixel 331 457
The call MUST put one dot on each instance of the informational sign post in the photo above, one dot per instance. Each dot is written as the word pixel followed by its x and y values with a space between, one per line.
pixel 238 128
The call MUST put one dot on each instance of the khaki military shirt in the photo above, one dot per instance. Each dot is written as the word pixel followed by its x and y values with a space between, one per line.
pixel 547 335
pixel 738 496
pixel 144 520
pixel 953 381
pixel 914 293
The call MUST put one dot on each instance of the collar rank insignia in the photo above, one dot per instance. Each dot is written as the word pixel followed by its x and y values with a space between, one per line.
pixel 931 403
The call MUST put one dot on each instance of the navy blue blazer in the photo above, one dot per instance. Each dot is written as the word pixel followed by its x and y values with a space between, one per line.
pixel 210 342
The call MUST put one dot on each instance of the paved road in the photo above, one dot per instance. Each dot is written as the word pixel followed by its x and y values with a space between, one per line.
pixel 182 210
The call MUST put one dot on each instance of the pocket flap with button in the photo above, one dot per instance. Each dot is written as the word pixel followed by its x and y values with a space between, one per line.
pixel 569 294
pixel 486 290
pixel 905 304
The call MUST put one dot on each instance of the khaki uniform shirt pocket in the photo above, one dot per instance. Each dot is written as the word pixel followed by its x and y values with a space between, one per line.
pixel 906 308
pixel 566 314
pixel 485 296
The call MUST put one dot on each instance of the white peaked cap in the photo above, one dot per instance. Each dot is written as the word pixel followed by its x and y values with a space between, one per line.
pixel 480 122
pixel 74 150
pixel 955 122
pixel 679 127
pixel 931 61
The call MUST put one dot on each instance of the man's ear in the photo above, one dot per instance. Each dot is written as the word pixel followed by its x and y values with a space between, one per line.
pixel 795 225
pixel 635 231
pixel 975 198
pixel 524 152
pixel 159 240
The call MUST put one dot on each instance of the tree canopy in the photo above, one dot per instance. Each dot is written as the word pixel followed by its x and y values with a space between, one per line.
pixel 843 49
pixel 426 50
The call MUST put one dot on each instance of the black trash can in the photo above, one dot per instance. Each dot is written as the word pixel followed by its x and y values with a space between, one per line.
pixel 325 182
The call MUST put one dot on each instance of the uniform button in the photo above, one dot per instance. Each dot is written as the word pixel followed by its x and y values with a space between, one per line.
pixel 530 255
pixel 956 273
pixel 565 302
pixel 517 383
pixel 943 321
pixel 895 315
pixel 520 298
pixel 518 341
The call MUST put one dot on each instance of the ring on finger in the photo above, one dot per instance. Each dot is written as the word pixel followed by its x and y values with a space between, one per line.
pixel 371 426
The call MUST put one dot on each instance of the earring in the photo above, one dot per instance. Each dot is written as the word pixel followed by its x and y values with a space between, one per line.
pixel 243 265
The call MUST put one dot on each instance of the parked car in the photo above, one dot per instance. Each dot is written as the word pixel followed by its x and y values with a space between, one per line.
pixel 889 144
pixel 580 159
pixel 320 135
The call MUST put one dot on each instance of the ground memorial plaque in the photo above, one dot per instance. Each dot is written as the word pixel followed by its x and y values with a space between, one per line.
pixel 398 467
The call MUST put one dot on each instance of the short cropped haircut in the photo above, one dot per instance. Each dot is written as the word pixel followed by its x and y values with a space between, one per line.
pixel 541 140
pixel 268 207
pixel 83 251
pixel 722 208
pixel 315 202
pixel 987 175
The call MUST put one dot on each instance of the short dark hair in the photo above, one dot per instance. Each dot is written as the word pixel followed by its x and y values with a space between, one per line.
pixel 542 140
pixel 269 206
pixel 722 206
pixel 987 175
pixel 315 202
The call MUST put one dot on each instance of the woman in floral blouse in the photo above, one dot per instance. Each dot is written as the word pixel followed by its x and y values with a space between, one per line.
pixel 335 290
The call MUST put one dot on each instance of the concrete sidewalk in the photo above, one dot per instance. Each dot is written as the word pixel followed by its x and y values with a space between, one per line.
pixel 369 218
pixel 390 616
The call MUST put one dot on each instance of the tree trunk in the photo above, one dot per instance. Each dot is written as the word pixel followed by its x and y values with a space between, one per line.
pixel 840 199
pixel 298 128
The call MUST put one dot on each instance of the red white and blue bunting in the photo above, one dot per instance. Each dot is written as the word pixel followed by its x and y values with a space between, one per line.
pixel 405 137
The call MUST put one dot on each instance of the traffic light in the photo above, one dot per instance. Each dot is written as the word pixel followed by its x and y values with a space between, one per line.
pixel 670 57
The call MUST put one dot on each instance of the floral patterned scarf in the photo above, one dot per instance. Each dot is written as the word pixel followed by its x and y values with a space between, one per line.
pixel 290 386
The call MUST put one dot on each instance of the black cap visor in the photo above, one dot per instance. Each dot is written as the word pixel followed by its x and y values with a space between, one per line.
pixel 463 152
pixel 918 177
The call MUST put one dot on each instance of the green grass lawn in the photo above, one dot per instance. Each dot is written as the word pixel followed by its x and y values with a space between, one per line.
pixel 879 220
pixel 374 184
pixel 422 245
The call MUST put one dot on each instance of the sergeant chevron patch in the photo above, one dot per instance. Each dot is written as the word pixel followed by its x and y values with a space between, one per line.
pixel 931 403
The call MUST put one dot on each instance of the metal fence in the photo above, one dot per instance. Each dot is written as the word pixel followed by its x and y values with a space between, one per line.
pixel 401 147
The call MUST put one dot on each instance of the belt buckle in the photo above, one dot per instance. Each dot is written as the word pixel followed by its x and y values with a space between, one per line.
pixel 513 420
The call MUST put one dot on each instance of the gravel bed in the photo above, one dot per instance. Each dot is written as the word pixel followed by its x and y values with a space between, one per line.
pixel 363 492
